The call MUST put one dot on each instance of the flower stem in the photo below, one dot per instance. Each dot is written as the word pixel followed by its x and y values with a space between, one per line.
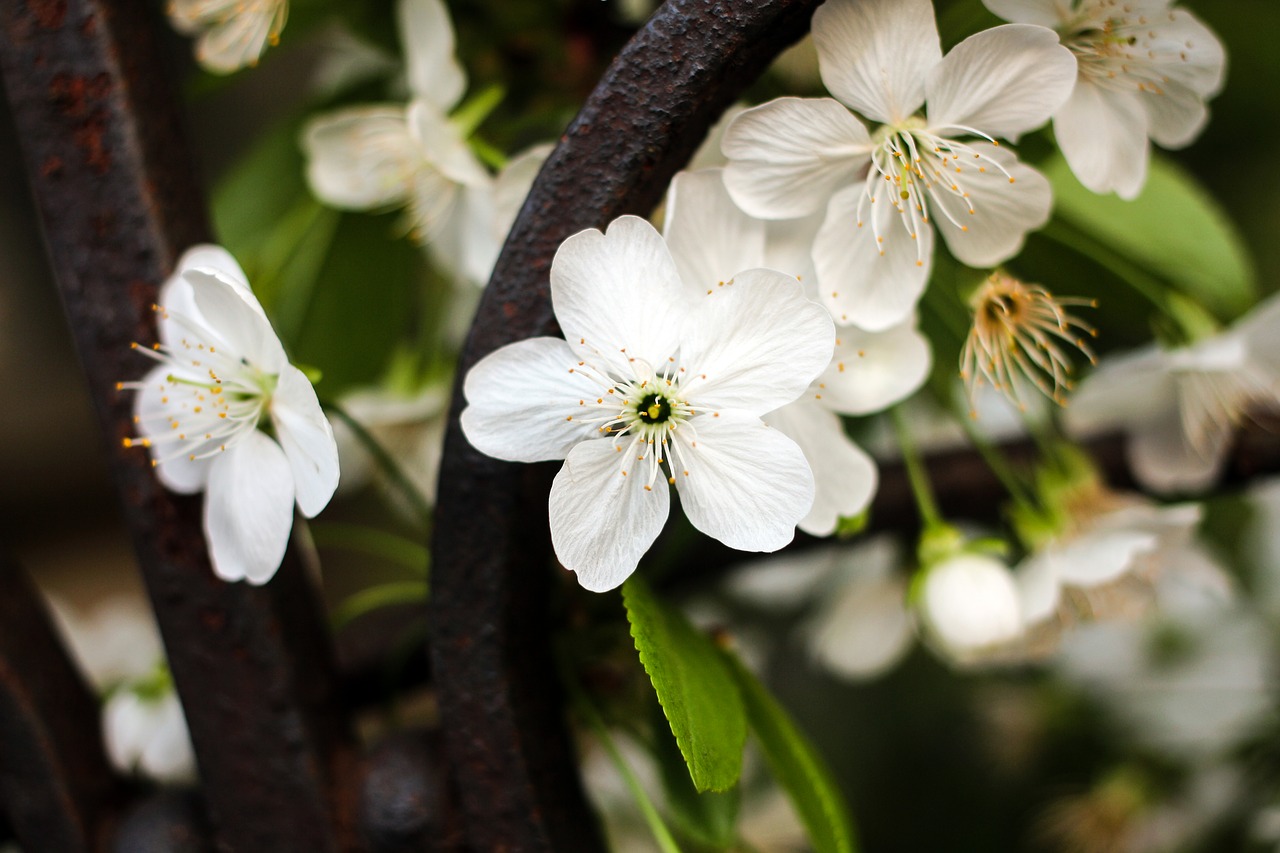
pixel 373 542
pixel 421 506
pixel 995 460
pixel 382 595
pixel 919 479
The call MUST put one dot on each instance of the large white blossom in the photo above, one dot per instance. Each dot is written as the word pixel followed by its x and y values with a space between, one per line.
pixel 884 192
pixel 225 413
pixel 654 382
pixel 1181 406
pixel 710 238
pixel 231 34
pixel 1145 72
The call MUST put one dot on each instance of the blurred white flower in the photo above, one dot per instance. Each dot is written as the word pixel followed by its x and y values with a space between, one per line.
pixel 1145 72
pixel 410 427
pixel 114 642
pixel 968 605
pixel 146 733
pixel 884 193
pixel 710 237
pixel 652 375
pixel 222 375
pixel 1180 407
pixel 231 34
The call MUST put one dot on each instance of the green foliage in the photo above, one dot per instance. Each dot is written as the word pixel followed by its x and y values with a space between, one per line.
pixel 1174 231
pixel 796 766
pixel 697 693
pixel 708 818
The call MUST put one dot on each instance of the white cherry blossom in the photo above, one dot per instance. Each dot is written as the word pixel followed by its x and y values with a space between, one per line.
pixel 710 237
pixel 145 732
pixel 232 34
pixel 934 161
pixel 1145 72
pixel 1181 406
pixel 969 605
pixel 223 380
pixel 654 382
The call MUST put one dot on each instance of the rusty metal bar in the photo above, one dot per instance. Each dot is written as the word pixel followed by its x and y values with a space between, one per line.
pixel 503 725
pixel 56 787
pixel 99 124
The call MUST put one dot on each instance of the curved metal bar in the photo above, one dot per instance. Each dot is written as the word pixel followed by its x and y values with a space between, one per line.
pixel 56 787
pixel 99 125
pixel 502 716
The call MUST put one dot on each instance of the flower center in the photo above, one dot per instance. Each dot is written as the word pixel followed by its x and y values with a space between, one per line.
pixel 918 172
pixel 209 399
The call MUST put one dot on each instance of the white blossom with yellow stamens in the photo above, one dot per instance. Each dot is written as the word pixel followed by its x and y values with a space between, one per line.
pixel 232 34
pixel 223 381
pixel 885 192
pixel 1145 72
pixel 656 381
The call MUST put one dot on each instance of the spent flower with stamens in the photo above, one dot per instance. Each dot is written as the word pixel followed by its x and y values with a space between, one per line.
pixel 204 412
pixel 232 34
pixel 1022 334
pixel 1145 72
pixel 657 381
pixel 934 161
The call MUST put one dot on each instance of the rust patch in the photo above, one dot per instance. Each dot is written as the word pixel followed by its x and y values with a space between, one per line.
pixel 51 167
pixel 89 139
pixel 49 14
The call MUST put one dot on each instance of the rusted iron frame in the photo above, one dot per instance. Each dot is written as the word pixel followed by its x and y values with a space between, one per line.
pixel 99 123
pixel 56 788
pixel 501 708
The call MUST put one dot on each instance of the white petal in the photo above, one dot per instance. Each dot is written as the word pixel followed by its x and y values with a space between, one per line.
pixel 1258 331
pixel 127 721
pixel 875 285
pixel 872 371
pixel 619 291
pixel 427 35
pixel 970 602
pixel 603 521
pixel 844 476
pixel 239 39
pixel 875 54
pixel 709 236
pixel 1175 115
pixel 754 344
pixel 1046 13
pixel 1103 135
pixel 307 439
pixel 207 256
pixel 442 144
pixel 1039 588
pixel 361 158
pixel 1201 59
pixel 237 320
pixel 743 483
pixel 788 156
pixel 866 630
pixel 785 582
pixel 1125 390
pixel 179 473
pixel 512 186
pixel 462 239
pixel 168 755
pixel 1003 210
pixel 1003 81
pixel 522 401
pixel 1164 461
pixel 788 248
pixel 248 509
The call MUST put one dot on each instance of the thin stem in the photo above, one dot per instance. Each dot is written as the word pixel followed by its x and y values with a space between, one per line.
pixel 373 542
pixel 919 479
pixel 666 842
pixel 995 460
pixel 421 506
pixel 382 595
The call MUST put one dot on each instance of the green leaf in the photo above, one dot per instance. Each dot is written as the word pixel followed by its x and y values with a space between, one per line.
pixel 796 766
pixel 1174 229
pixel 696 691
pixel 709 818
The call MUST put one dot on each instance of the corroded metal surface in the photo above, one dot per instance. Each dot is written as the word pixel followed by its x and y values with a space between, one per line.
pixel 502 716
pixel 115 187
pixel 56 788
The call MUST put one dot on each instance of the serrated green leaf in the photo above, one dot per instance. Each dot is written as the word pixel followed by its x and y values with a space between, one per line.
pixel 1174 230
pixel 796 766
pixel 708 818
pixel 697 693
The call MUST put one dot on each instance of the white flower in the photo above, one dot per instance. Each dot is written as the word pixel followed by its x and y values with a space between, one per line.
pixel 410 427
pixel 885 192
pixel 710 238
pixel 223 377
pixel 1180 407
pixel 114 642
pixel 969 605
pixel 1145 72
pixel 146 733
pixel 232 33
pixel 650 376
pixel 388 156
